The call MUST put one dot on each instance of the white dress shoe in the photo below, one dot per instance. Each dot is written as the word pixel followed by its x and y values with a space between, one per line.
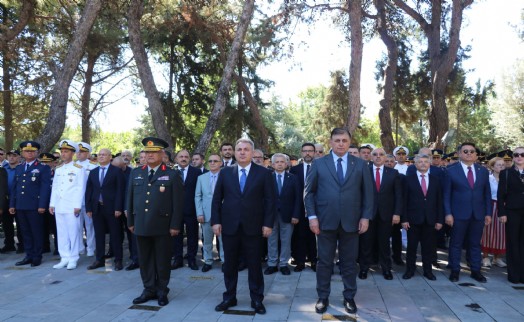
pixel 71 265
pixel 486 262
pixel 63 263
pixel 90 254
pixel 499 262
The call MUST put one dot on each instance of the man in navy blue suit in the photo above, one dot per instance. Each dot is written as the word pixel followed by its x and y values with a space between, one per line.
pixel 242 211
pixel 104 200
pixel 467 205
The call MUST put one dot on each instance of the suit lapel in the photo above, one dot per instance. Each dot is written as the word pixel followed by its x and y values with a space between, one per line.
pixel 328 159
pixel 250 177
pixel 350 167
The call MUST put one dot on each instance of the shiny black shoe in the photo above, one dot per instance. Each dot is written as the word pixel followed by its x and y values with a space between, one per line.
pixel 363 274
pixel 226 304
pixel 407 275
pixel 162 300
pixel 387 275
pixel 206 268
pixel 259 307
pixel 270 270
pixel 25 261
pixel 118 266
pixel 285 270
pixel 95 265
pixel 350 306
pixel 454 276
pixel 299 268
pixel 321 306
pixel 430 276
pixel 144 297
pixel 193 265
pixel 132 266
pixel 477 276
pixel 36 263
pixel 177 264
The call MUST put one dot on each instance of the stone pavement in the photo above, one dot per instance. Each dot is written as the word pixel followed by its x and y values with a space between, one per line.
pixel 44 293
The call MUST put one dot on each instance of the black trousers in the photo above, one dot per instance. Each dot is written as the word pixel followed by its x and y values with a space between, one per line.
pixel 378 233
pixel 515 245
pixel 191 224
pixel 303 243
pixel 103 221
pixel 396 241
pixel 9 228
pixel 425 234
pixel 154 256
pixel 49 228
pixel 251 249
pixel 32 226
pixel 131 241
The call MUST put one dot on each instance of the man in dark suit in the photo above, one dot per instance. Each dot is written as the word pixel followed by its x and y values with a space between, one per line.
pixel 104 200
pixel 243 210
pixel 289 198
pixel 339 204
pixel 467 205
pixel 387 210
pixel 189 177
pixel 423 214
pixel 226 151
pixel 154 214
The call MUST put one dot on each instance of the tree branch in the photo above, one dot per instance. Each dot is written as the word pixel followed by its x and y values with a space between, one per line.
pixel 413 14
pixel 26 14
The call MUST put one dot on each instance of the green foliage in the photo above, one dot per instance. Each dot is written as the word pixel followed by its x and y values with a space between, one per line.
pixel 116 142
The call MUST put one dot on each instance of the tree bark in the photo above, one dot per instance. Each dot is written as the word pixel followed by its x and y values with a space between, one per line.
pixel 26 14
pixel 355 67
pixel 57 110
pixel 86 98
pixel 384 113
pixel 225 84
pixel 136 8
pixel 7 100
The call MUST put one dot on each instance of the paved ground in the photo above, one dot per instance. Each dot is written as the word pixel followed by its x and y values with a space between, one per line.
pixel 43 293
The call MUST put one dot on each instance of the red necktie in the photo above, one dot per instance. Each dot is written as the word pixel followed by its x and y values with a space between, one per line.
pixel 377 179
pixel 424 185
pixel 471 181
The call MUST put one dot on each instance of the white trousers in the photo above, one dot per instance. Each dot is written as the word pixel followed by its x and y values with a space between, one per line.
pixel 68 230
pixel 90 232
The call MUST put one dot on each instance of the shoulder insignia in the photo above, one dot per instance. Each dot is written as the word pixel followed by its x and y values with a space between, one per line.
pixel 144 167
pixel 93 162
pixel 78 165
pixel 58 166
pixel 163 167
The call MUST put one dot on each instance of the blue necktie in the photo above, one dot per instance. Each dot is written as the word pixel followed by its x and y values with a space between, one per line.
pixel 243 178
pixel 279 183
pixel 340 172
pixel 182 174
pixel 102 175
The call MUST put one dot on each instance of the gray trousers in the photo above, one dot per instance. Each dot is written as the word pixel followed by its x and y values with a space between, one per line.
pixel 207 231
pixel 284 231
pixel 327 242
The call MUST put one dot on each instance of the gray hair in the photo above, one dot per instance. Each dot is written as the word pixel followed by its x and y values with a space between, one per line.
pixel 279 155
pixel 245 140
pixel 422 156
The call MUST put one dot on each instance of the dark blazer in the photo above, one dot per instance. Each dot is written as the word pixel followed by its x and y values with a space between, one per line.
pixel 298 171
pixel 253 208
pixel 112 189
pixel 420 208
pixel 4 192
pixel 32 188
pixel 436 171
pixel 289 200
pixel 510 194
pixel 189 190
pixel 155 207
pixel 463 202
pixel 387 201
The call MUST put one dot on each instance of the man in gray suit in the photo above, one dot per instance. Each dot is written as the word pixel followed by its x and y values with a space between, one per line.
pixel 338 197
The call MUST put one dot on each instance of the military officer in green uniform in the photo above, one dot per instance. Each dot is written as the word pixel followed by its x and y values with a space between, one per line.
pixel 154 214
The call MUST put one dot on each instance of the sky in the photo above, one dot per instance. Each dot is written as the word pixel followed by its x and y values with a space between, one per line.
pixel 487 27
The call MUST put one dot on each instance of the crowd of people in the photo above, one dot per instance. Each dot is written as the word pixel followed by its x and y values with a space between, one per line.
pixel 354 207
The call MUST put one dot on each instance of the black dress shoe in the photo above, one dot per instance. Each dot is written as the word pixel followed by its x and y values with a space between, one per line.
pixel 25 261
pixel 36 263
pixel 321 306
pixel 206 268
pixel 454 276
pixel 95 265
pixel 109 255
pixel 435 264
pixel 177 263
pixel 118 266
pixel 162 300
pixel 398 261
pixel 270 270
pixel 259 307
pixel 226 304
pixel 314 267
pixel 132 266
pixel 430 276
pixel 193 265
pixel 407 275
pixel 46 250
pixel 350 306
pixel 363 274
pixel 242 266
pixel 7 249
pixel 285 270
pixel 387 275
pixel 144 297
pixel 299 268
pixel 294 262
pixel 477 276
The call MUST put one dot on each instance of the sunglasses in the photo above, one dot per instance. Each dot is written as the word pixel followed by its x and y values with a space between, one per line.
pixel 516 155
pixel 378 154
pixel 320 151
pixel 213 161
pixel 469 151
pixel 1 154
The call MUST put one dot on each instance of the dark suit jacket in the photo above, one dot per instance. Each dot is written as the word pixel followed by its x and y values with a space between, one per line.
pixel 189 191
pixel 463 202
pixel 4 193
pixel 387 201
pixel 510 194
pixel 289 200
pixel 112 189
pixel 436 171
pixel 253 208
pixel 420 208
pixel 32 188
pixel 298 171
pixel 155 207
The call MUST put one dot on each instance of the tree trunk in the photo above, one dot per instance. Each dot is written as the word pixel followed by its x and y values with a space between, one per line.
pixel 57 110
pixel 136 8
pixel 26 14
pixel 6 99
pixel 355 68
pixel 384 114
pixel 225 84
pixel 86 98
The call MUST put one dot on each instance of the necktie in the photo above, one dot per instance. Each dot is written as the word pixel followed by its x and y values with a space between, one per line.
pixel 308 167
pixel 26 166
pixel 279 183
pixel 151 174
pixel 212 183
pixel 377 179
pixel 340 172
pixel 423 184
pixel 243 178
pixel 182 174
pixel 471 180
pixel 102 175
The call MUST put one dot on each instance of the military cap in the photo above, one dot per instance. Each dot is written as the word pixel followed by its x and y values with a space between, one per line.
pixel 454 156
pixel 17 152
pixel 492 155
pixel 84 147
pixel 368 145
pixel 401 149
pixel 152 144
pixel 68 145
pixel 437 153
pixel 47 157
pixel 506 154
pixel 29 146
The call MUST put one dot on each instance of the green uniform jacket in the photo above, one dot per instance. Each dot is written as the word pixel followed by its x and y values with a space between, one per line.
pixel 154 207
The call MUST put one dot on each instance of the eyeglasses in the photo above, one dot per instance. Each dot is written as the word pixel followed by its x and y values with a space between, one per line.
pixel 213 161
pixel 1 154
pixel 516 155
pixel 469 151
pixel 378 154
pixel 320 152
pixel 258 157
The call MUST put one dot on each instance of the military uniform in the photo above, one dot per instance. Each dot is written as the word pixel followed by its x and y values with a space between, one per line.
pixel 49 220
pixel 154 206
pixel 68 194
pixel 85 220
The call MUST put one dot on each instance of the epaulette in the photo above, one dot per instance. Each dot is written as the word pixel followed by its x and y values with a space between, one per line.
pixel 93 162
pixel 144 167
pixel 58 166
pixel 78 165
